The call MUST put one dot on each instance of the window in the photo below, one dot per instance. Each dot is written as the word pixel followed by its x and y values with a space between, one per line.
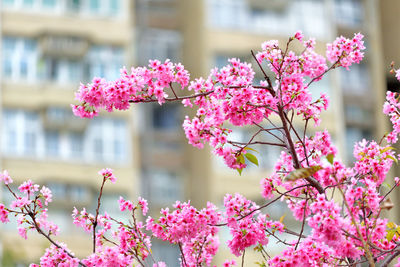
pixel 74 5
pixel 49 3
pixel 310 16
pixel 159 44
pixel 107 140
pixel 70 193
pixel 165 187
pixel 75 145
pixel 349 12
pixel 84 7
pixel 20 58
pixel 79 193
pixel 228 13
pixel 276 17
pixel 24 133
pixel 52 139
pixel 31 132
pixel 114 6
pixel 63 70
pixel 56 114
pixel 28 3
pixel 104 61
pixel 104 7
pixel 358 114
pixel 355 80
pixel 94 5
pixel 353 135
pixel 9 132
pixel 32 5
pixel 20 132
pixel 166 117
pixel 8 3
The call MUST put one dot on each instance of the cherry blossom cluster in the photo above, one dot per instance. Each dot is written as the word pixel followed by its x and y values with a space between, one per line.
pixel 346 51
pixel 308 253
pixel 57 256
pixel 391 108
pixel 195 231
pixel 247 227
pixel 373 161
pixel 29 207
pixel 140 84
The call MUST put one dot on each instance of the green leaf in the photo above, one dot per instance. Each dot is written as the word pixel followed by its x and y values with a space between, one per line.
pixel 329 157
pixel 240 159
pixel 239 171
pixel 392 158
pixel 253 159
pixel 302 173
pixel 391 225
pixel 249 148
pixel 387 149
pixel 390 235
pixel 281 218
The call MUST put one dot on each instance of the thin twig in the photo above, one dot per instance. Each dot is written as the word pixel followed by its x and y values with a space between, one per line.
pixel 183 255
pixel 97 214
pixel 172 89
pixel 151 100
pixel 389 259
pixel 302 224
pixel 255 143
pixel 271 88
pixel 267 204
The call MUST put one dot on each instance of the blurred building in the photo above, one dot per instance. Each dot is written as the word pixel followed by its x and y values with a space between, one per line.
pixel 47 48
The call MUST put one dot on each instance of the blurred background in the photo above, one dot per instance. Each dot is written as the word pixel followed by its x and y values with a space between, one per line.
pixel 49 46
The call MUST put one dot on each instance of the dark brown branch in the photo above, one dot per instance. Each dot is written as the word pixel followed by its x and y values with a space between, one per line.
pixel 172 89
pixel 97 214
pixel 389 259
pixel 302 224
pixel 292 151
pixel 271 88
pixel 171 99
pixel 255 143
pixel 183 255
pixel 390 191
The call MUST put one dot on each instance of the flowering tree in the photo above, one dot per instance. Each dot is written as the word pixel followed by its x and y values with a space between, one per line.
pixel 341 205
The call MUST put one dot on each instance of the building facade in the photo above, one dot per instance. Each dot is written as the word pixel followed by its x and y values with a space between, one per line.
pixel 47 48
